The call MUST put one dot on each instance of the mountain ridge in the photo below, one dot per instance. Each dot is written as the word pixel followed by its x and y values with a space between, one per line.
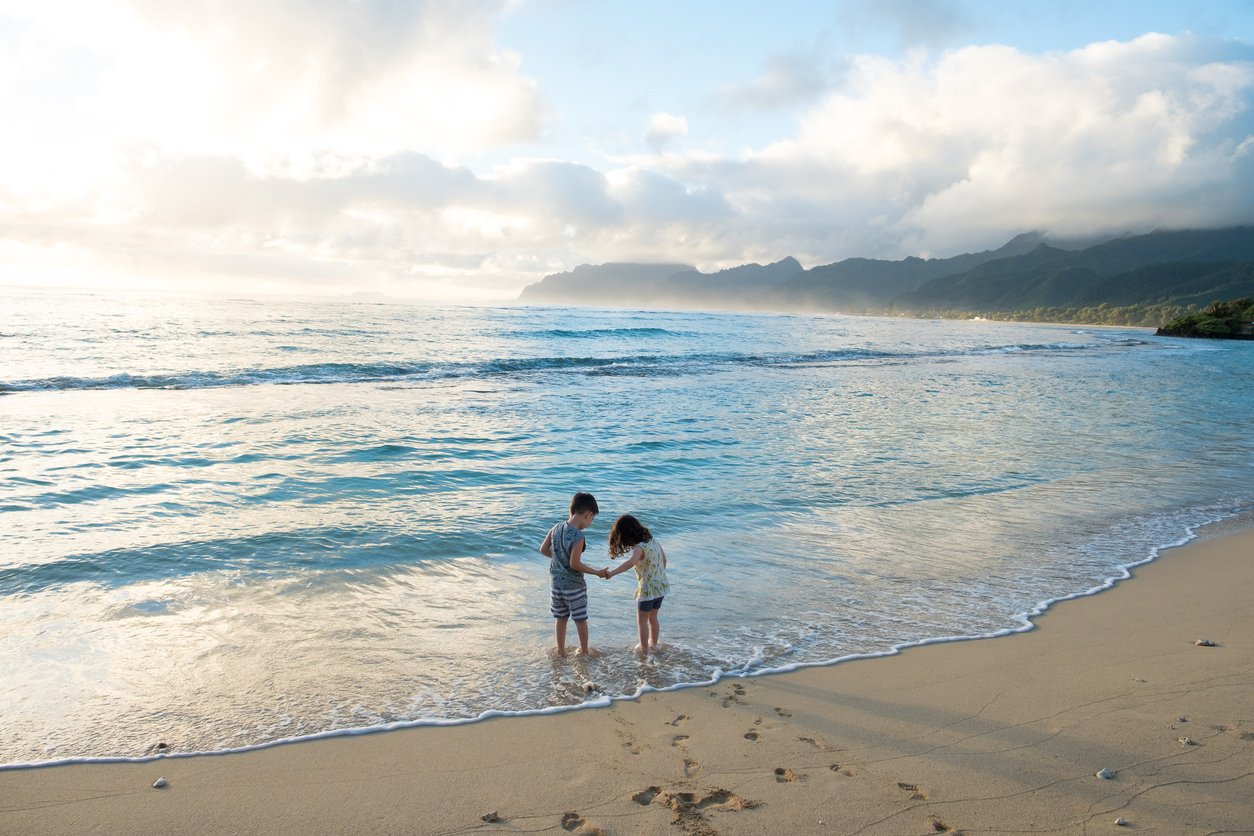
pixel 1031 272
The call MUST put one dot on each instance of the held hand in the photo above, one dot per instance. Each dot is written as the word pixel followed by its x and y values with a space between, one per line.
pixel 605 573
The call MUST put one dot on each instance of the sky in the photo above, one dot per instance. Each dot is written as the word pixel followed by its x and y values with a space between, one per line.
pixel 457 150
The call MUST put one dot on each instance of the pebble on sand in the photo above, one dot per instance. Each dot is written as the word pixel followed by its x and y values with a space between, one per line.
pixel 491 817
pixel 1204 643
pixel 1186 741
pixel 1121 822
pixel 1105 774
pixel 159 783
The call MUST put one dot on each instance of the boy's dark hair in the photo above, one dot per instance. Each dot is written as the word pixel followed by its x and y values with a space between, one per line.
pixel 581 502
pixel 626 533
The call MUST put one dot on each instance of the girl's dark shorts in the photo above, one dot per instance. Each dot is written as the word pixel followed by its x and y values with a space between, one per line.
pixel 651 604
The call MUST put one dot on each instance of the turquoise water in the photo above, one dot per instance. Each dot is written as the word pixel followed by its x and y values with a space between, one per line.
pixel 232 521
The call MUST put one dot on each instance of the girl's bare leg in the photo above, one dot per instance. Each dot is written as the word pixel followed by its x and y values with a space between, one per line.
pixel 655 630
pixel 642 624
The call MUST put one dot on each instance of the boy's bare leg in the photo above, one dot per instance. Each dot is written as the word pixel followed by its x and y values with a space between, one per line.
pixel 581 627
pixel 560 629
pixel 642 624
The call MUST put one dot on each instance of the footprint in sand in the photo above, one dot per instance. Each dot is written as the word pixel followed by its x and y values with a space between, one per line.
pixel 678 719
pixel 847 771
pixel 575 823
pixel 915 793
pixel 732 695
pixel 629 744
pixel 821 745
pixel 1235 731
pixel 688 809
pixel 940 827
pixel 678 739
pixel 645 796
pixel 782 713
pixel 720 799
pixel 691 768
pixel 783 775
pixel 751 735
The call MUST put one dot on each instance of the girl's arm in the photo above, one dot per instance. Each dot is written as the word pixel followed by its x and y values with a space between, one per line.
pixel 659 545
pixel 636 554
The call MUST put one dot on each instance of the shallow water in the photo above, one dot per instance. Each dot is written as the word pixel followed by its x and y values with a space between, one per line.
pixel 230 521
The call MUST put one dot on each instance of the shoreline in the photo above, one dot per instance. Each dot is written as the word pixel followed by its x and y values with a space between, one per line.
pixel 914 744
pixel 1027 618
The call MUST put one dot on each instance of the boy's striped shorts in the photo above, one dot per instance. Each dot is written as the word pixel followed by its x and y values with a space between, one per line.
pixel 571 603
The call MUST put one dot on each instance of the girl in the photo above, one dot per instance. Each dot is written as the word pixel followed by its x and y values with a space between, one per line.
pixel 649 559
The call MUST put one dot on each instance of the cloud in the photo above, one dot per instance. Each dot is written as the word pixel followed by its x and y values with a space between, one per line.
pixel 277 78
pixel 941 155
pixel 664 129
pixel 275 153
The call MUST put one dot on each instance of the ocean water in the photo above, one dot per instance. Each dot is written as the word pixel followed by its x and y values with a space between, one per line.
pixel 231 521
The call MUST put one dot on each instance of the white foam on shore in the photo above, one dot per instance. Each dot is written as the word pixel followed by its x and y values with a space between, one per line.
pixel 751 668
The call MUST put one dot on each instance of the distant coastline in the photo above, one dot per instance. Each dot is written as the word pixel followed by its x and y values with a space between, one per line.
pixel 1136 280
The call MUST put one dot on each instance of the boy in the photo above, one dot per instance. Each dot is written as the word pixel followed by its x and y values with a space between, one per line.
pixel 563 546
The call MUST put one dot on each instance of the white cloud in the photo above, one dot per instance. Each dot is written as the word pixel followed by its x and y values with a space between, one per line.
pixel 273 150
pixel 962 151
pixel 267 79
pixel 665 128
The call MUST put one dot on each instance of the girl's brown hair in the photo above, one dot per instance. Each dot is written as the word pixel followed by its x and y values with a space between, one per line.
pixel 626 533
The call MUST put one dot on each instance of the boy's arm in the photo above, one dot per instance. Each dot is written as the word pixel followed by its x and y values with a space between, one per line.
pixel 546 548
pixel 576 563
pixel 636 554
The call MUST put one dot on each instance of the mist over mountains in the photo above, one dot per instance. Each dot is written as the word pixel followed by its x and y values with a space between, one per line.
pixel 1150 275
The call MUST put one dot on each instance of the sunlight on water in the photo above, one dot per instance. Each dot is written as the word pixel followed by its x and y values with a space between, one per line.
pixel 235 521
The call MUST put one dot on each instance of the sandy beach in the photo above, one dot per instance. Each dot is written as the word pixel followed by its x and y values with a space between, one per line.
pixel 996 735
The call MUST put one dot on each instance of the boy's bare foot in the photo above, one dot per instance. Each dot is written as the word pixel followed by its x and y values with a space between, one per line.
pixel 557 652
pixel 589 652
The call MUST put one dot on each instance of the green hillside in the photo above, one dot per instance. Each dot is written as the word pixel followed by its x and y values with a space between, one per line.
pixel 1134 280
pixel 1185 268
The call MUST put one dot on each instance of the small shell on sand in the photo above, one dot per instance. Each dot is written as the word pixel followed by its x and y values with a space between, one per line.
pixel 491 817
pixel 1121 822
pixel 1105 774
pixel 1182 719
pixel 1186 741
pixel 159 783
pixel 1204 643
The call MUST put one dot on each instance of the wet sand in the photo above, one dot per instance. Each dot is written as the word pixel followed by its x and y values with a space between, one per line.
pixel 996 735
